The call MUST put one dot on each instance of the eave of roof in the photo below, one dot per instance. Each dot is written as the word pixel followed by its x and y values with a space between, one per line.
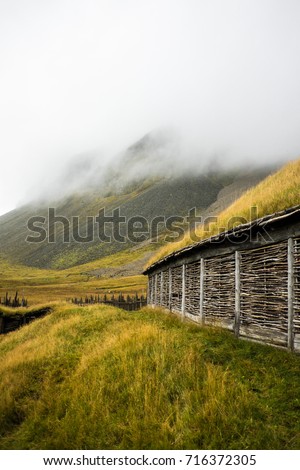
pixel 278 218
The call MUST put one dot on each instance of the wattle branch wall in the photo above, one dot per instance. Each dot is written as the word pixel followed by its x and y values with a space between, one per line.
pixel 246 280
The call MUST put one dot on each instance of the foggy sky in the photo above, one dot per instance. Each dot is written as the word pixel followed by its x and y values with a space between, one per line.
pixel 93 76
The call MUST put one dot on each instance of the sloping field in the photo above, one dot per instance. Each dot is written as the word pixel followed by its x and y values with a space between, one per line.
pixel 102 378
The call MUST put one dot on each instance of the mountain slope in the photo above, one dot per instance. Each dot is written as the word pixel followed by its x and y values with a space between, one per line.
pixel 173 197
pixel 160 199
pixel 275 193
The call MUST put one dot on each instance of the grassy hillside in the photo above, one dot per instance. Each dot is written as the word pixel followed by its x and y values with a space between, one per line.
pixel 276 192
pixel 101 378
pixel 115 273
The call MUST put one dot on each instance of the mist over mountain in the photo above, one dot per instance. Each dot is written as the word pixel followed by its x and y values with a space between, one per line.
pixel 144 187
pixel 162 153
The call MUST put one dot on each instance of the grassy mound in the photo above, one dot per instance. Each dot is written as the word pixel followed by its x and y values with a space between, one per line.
pixel 275 193
pixel 102 378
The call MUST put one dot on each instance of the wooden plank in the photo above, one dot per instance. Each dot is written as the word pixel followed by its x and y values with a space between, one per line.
pixel 152 289
pixel 237 293
pixel 290 294
pixel 161 287
pixel 202 268
pixel 149 291
pixel 183 291
pixel 170 289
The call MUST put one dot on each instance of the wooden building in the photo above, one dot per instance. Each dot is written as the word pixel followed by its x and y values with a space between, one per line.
pixel 246 279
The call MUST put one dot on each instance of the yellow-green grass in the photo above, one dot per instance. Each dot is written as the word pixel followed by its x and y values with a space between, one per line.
pixel 100 378
pixel 116 260
pixel 6 311
pixel 18 272
pixel 45 285
pixel 37 294
pixel 275 193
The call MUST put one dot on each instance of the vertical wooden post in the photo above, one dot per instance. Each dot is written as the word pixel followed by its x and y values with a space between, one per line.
pixel 148 292
pixel 237 293
pixel 202 317
pixel 183 291
pixel 170 289
pixel 155 289
pixel 290 339
pixel 152 289
pixel 161 287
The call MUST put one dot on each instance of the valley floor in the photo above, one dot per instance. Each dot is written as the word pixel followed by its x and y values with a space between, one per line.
pixel 114 274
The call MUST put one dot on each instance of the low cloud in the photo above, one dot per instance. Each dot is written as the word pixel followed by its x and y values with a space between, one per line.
pixel 101 75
